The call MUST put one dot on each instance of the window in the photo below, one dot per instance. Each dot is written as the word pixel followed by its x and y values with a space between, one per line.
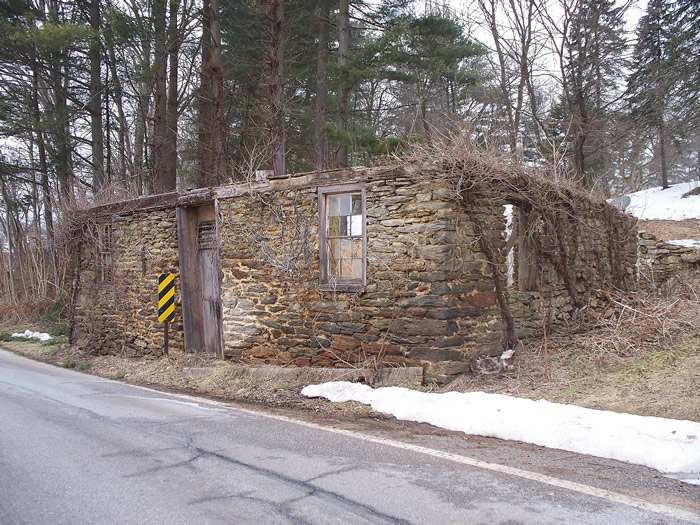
pixel 104 253
pixel 342 237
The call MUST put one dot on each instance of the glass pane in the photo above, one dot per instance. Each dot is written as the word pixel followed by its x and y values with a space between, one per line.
pixel 345 268
pixel 356 225
pixel 345 204
pixel 333 205
pixel 333 256
pixel 334 248
pixel 346 248
pixel 357 204
pixel 335 269
pixel 344 225
pixel 334 225
pixel 356 269
pixel 357 249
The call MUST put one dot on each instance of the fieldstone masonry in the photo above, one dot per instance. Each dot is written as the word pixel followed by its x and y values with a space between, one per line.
pixel 659 260
pixel 429 298
pixel 121 315
pixel 600 252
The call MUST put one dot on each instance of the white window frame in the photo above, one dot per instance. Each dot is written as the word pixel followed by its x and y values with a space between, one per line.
pixel 326 281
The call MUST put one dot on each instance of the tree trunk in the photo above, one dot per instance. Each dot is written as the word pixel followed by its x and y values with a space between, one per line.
pixel 341 154
pixel 8 235
pixel 277 132
pixel 662 154
pixel 171 116
pixel 219 133
pixel 205 102
pixel 95 103
pixel 321 85
pixel 119 101
pixel 159 180
pixel 45 186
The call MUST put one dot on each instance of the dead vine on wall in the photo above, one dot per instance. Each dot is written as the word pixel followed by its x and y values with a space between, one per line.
pixel 554 204
pixel 285 246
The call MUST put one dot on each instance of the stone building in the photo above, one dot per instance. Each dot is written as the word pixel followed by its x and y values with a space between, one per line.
pixel 394 266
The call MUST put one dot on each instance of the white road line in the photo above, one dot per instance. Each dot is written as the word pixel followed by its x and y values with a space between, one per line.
pixel 667 510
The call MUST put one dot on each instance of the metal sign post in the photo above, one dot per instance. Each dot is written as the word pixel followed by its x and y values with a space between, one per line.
pixel 166 304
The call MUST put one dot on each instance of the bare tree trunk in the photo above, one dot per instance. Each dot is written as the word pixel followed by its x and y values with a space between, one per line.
pixel 341 154
pixel 159 180
pixel 119 101
pixel 45 186
pixel 220 131
pixel 95 103
pixel 277 132
pixel 171 116
pixel 662 153
pixel 321 85
pixel 8 234
pixel 205 103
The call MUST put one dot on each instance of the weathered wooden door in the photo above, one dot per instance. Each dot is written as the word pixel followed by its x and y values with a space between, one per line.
pixel 208 254
pixel 198 239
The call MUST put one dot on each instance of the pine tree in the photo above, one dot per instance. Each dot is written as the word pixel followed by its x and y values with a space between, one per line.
pixel 591 66
pixel 651 83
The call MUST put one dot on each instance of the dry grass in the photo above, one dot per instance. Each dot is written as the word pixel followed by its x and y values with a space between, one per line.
pixel 634 353
pixel 669 230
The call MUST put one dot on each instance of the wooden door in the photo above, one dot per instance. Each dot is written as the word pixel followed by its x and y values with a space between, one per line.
pixel 208 255
pixel 198 238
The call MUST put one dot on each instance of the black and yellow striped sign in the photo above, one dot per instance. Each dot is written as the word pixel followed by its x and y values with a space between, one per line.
pixel 166 297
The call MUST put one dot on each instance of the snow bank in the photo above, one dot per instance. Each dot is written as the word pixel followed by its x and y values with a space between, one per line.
pixel 28 334
pixel 663 444
pixel 655 203
pixel 688 243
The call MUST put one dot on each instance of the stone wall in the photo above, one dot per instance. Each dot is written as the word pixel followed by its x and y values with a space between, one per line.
pixel 659 260
pixel 428 298
pixel 122 316
pixel 579 251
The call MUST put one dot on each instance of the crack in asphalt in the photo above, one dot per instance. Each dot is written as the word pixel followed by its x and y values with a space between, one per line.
pixel 304 486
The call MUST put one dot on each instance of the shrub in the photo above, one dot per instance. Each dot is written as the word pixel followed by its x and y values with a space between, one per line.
pixel 56 317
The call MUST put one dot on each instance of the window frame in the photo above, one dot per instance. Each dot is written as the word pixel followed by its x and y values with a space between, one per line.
pixel 326 282
pixel 105 254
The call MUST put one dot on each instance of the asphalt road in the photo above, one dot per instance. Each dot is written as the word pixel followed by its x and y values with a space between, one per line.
pixel 76 449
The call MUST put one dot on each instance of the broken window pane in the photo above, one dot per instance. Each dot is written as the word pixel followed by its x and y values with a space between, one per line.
pixel 356 228
pixel 344 226
pixel 357 204
pixel 333 226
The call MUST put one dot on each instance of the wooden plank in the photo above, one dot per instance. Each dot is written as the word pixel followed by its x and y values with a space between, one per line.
pixel 189 277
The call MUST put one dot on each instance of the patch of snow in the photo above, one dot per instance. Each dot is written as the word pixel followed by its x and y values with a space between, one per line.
pixel 667 445
pixel 28 334
pixel 688 243
pixel 668 204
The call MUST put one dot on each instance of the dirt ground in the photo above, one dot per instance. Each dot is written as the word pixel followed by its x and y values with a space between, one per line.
pixel 671 230
pixel 633 353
